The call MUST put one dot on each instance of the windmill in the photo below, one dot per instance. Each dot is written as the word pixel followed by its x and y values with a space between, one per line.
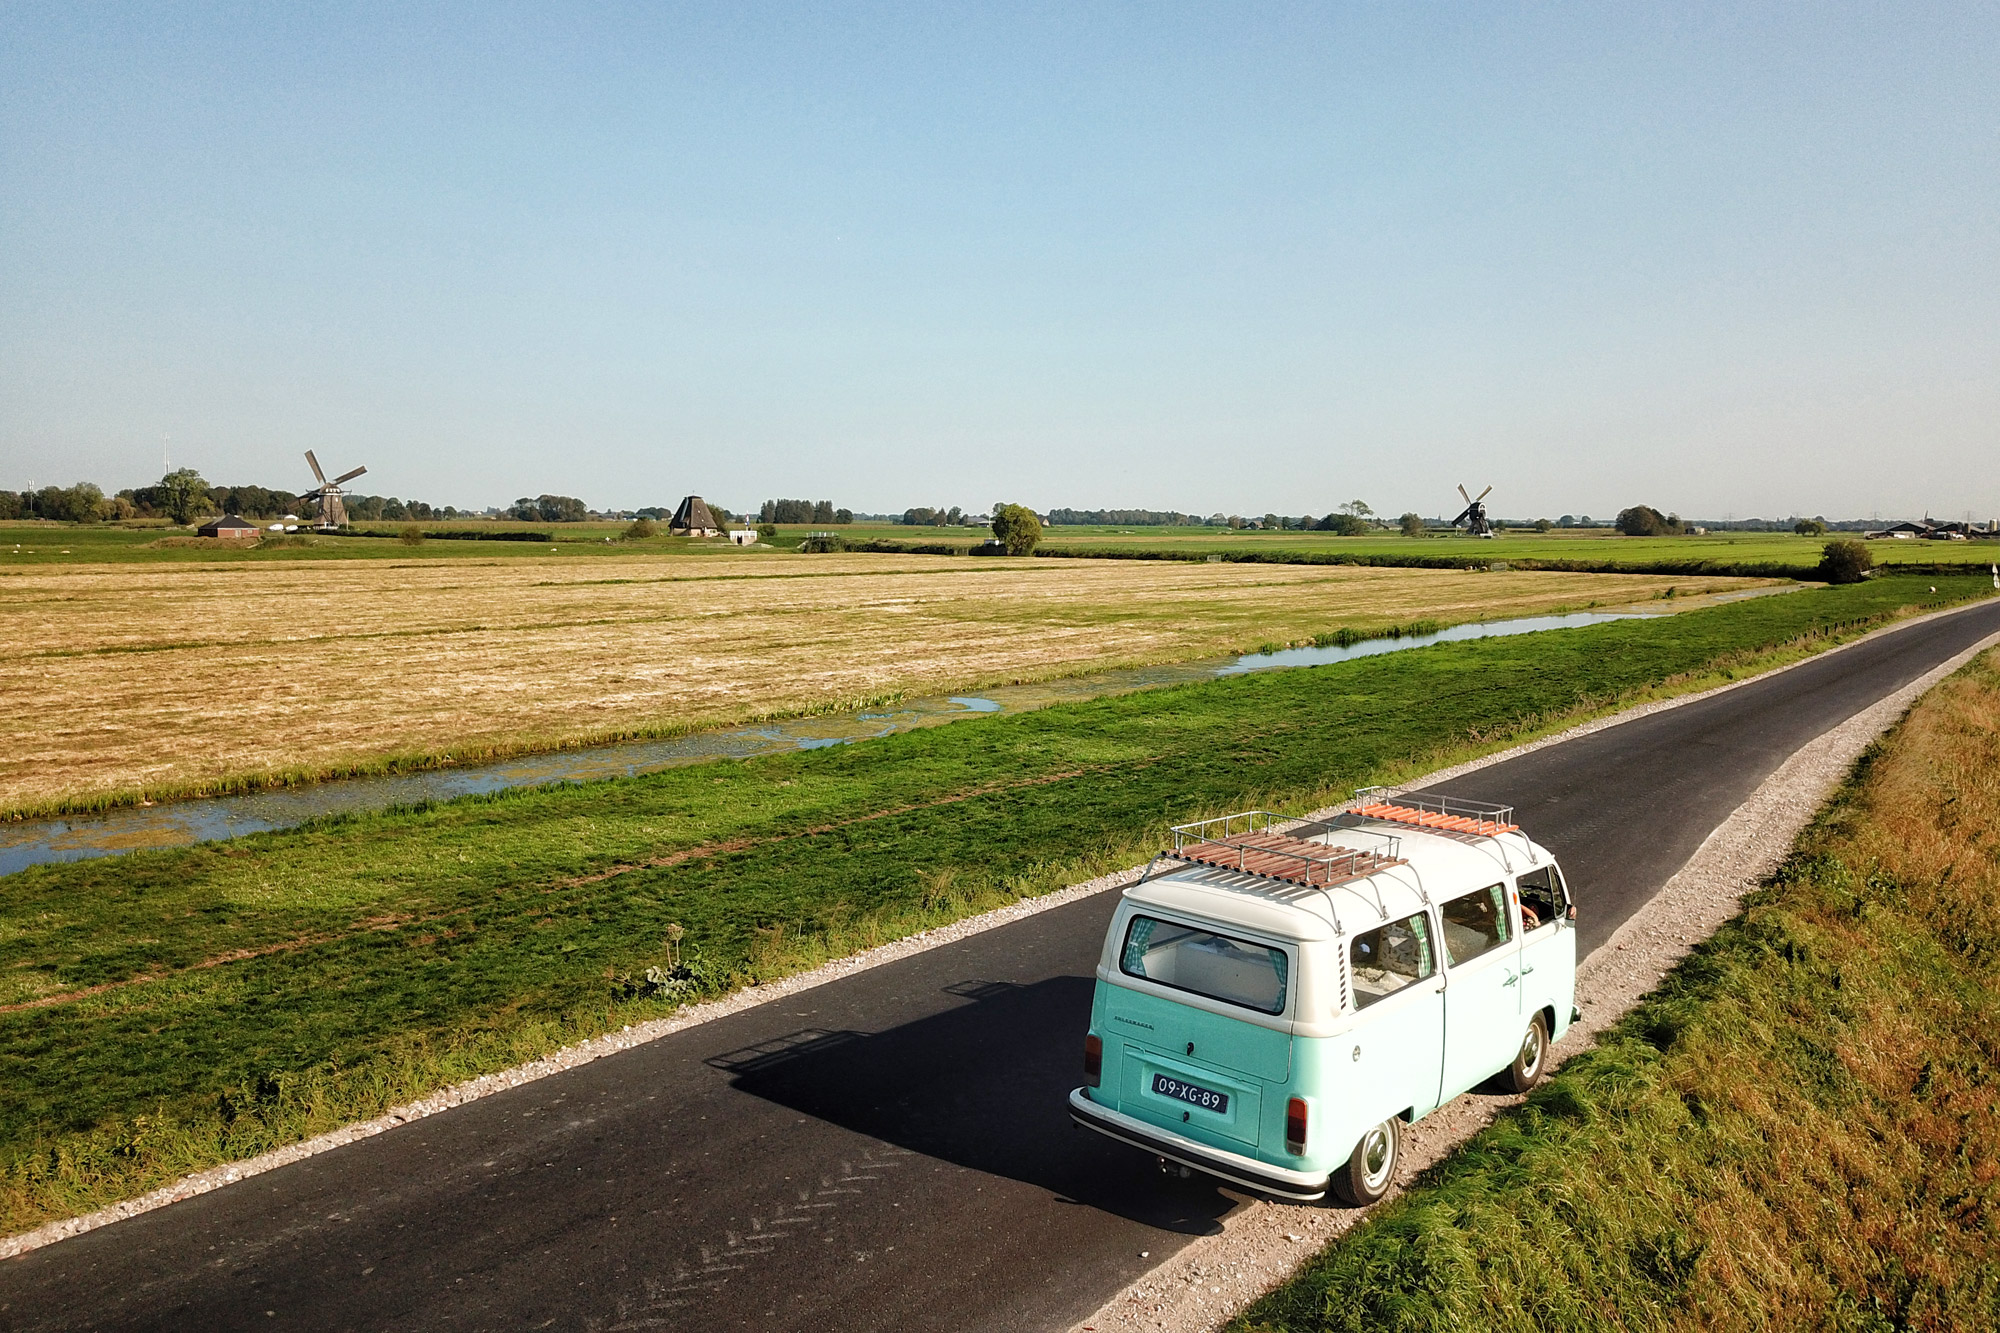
pixel 1474 514
pixel 332 513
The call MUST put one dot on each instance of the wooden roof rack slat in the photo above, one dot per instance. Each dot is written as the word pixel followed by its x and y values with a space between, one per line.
pixel 1447 814
pixel 1246 843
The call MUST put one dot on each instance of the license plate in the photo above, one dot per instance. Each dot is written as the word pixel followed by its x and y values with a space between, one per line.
pixel 1206 1098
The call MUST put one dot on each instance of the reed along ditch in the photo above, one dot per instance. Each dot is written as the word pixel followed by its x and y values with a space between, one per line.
pixel 206 819
pixel 1796 1130
pixel 175 1008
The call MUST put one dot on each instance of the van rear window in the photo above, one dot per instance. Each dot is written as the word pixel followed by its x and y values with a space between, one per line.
pixel 1192 958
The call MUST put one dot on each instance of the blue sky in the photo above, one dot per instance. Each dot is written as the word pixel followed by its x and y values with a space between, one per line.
pixel 1728 260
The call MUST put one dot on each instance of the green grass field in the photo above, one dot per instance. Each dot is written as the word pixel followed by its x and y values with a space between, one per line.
pixel 168 1010
pixel 1774 553
pixel 1799 1130
pixel 1593 547
pixel 29 544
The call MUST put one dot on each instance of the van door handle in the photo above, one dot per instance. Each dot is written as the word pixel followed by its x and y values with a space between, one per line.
pixel 1511 979
pixel 1526 970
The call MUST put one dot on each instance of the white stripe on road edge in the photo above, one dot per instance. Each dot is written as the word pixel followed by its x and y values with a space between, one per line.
pixel 570 1057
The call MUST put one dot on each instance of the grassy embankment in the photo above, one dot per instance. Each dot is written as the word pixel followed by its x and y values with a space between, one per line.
pixel 131 682
pixel 1800 1129
pixel 168 1010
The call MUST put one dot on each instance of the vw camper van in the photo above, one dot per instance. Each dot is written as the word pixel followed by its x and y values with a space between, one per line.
pixel 1272 1007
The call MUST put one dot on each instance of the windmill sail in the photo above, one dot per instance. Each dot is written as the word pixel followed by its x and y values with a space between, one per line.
pixel 332 512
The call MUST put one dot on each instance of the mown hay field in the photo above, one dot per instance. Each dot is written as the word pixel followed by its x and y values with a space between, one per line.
pixel 159 679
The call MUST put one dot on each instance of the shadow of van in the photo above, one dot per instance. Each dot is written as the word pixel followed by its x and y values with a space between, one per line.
pixel 983 1085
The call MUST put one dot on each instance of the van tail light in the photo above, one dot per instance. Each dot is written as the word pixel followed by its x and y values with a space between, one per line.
pixel 1093 1060
pixel 1295 1127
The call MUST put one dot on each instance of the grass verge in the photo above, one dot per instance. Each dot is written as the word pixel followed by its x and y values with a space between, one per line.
pixel 1799 1129
pixel 168 1010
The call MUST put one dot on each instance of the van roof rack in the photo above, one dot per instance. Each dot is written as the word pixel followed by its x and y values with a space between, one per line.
pixel 1247 842
pixel 1442 814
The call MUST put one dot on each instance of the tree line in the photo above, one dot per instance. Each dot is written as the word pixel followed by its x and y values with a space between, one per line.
pixel 800 511
pixel 183 496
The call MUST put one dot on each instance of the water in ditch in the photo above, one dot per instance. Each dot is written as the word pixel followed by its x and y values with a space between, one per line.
pixel 206 819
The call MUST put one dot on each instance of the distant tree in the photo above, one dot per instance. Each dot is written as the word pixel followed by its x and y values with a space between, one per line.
pixel 394 509
pixel 1412 524
pixel 641 529
pixel 560 509
pixel 1810 527
pixel 1543 525
pixel 1358 508
pixel 767 530
pixel 251 501
pixel 842 516
pixel 81 503
pixel 1646 521
pixel 1845 560
pixel 794 511
pixel 412 535
pixel 656 514
pixel 1344 525
pixel 1566 521
pixel 183 495
pixel 1017 528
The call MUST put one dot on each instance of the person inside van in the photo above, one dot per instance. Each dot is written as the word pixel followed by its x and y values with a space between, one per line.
pixel 1542 897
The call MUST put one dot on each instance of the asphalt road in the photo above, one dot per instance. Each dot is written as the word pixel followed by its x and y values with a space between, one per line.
pixel 887 1151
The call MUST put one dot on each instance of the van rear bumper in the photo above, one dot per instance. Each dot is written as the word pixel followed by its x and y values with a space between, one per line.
pixel 1232 1167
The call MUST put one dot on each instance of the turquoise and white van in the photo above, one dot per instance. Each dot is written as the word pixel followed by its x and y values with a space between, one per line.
pixel 1273 1007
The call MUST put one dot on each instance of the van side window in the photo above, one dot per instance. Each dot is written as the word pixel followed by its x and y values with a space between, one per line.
pixel 1543 898
pixel 1475 924
pixel 1389 958
pixel 1190 958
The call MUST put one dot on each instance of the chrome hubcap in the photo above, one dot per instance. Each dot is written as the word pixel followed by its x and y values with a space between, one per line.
pixel 1376 1155
pixel 1531 1050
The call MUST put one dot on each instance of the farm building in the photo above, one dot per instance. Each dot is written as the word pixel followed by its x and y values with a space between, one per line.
pixel 693 519
pixel 229 527
pixel 1933 531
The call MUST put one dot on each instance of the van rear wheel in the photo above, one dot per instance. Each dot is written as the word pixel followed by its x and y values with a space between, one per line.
pixel 1532 1060
pixel 1372 1167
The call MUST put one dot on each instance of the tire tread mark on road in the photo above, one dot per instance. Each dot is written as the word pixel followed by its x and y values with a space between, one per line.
pixel 758 1240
